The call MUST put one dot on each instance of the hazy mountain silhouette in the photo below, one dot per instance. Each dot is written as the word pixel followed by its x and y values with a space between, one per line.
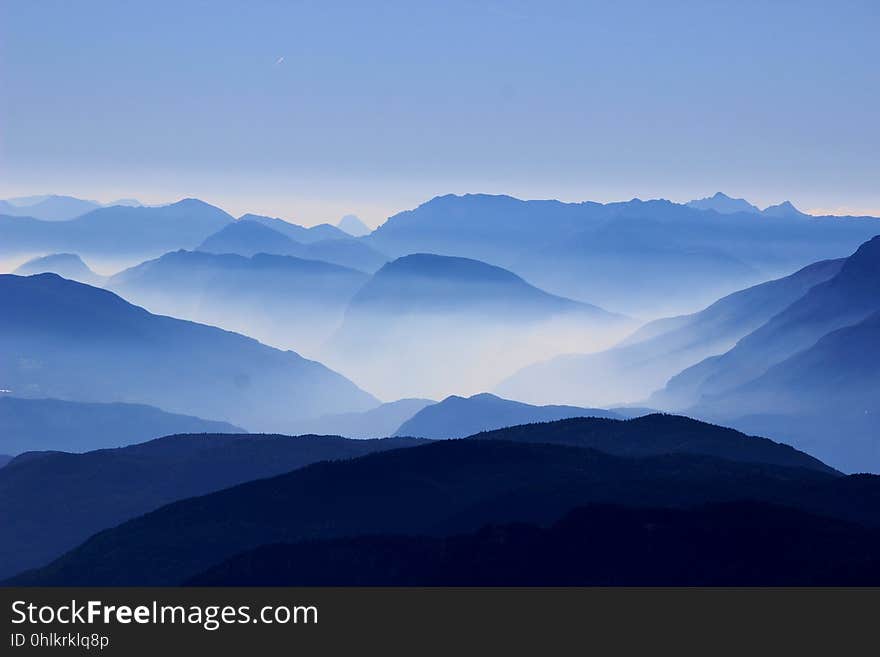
pixel 347 252
pixel 825 399
pixel 66 265
pixel 248 237
pixel 847 298
pixel 352 225
pixel 717 545
pixel 784 209
pixel 434 325
pixel 430 283
pixel 96 490
pixel 638 257
pixel 66 340
pixel 458 417
pixel 801 376
pixel 284 301
pixel 645 361
pixel 296 232
pixel 377 422
pixel 116 232
pixel 4 459
pixel 438 489
pixel 49 207
pixel 53 424
pixel 723 204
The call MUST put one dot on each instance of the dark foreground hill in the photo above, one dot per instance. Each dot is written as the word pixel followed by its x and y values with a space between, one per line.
pixel 734 544
pixel 438 489
pixel 52 501
pixel 658 434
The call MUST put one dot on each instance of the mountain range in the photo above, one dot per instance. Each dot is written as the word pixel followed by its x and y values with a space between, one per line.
pixel 804 375
pixel 249 237
pixel 825 399
pixel 65 340
pixel 48 208
pixel 642 363
pixel 99 489
pixel 723 204
pixel 284 301
pixel 298 233
pixel 712 545
pixel 115 233
pixel 453 486
pixel 52 424
pixel 845 299
pixel 644 258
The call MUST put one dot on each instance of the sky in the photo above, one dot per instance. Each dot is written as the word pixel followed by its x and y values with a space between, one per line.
pixel 312 110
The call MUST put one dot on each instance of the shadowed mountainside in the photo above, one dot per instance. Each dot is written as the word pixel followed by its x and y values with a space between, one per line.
pixel 65 340
pixel 96 490
pixel 825 399
pixel 658 434
pixel 437 489
pixel 645 361
pixel 52 424
pixel 733 544
pixel 844 300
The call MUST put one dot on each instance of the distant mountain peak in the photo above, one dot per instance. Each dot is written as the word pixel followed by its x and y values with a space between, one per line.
pixel 66 265
pixel 259 217
pixel 784 209
pixel 723 204
pixel 190 201
pixel 352 225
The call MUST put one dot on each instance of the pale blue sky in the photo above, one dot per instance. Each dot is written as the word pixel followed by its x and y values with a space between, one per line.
pixel 378 106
